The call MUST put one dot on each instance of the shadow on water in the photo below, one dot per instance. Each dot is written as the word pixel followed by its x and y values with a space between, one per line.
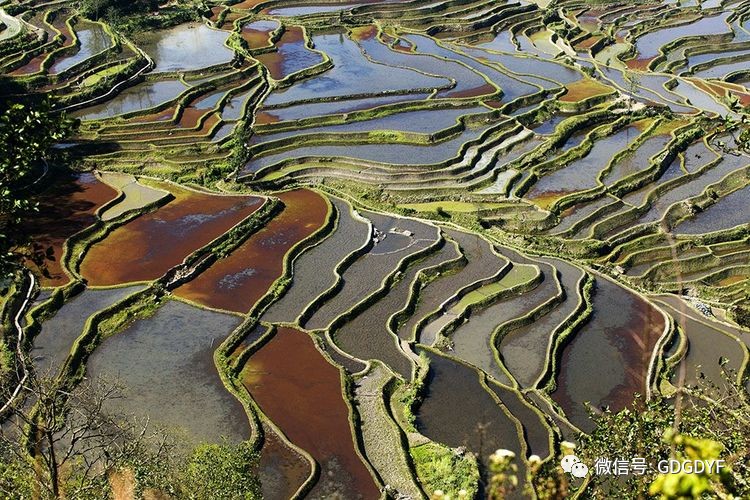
pixel 67 205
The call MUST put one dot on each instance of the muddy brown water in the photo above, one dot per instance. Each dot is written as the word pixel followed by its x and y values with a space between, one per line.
pixel 66 207
pixel 147 247
pixel 238 281
pixel 257 33
pixel 312 413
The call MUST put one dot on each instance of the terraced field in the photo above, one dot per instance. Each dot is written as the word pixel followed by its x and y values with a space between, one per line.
pixel 365 234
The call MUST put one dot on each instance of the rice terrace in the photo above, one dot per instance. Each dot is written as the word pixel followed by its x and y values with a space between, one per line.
pixel 361 249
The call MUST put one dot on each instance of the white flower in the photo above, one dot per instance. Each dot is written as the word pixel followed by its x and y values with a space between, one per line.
pixel 502 453
pixel 535 459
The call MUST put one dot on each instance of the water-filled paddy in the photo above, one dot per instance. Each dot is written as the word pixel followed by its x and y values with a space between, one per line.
pixel 524 350
pixel 708 344
pixel 477 347
pixel 52 345
pixel 481 425
pixel 147 247
pixel 368 336
pixel 136 195
pixel 731 210
pixel 186 47
pixel 607 361
pixel 236 282
pixel 352 74
pixel 692 188
pixel 140 97
pixel 482 264
pixel 367 273
pixel 312 413
pixel 257 33
pixel 92 39
pixel 424 122
pixel 291 54
pixel 313 271
pixel 395 153
pixel 582 173
pixel 425 60
pixel 308 110
pixel 648 45
pixel 638 160
pixel 281 470
pixel 166 369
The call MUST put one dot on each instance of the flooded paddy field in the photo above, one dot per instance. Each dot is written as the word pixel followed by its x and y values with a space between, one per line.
pixel 377 241
pixel 400 239
pixel 169 357
pixel 312 413
pixel 66 206
pixel 610 358
pixel 236 282
pixel 309 278
pixel 482 425
pixel 188 222
pixel 54 342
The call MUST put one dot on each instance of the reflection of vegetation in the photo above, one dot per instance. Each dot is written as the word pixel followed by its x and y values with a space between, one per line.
pixel 443 470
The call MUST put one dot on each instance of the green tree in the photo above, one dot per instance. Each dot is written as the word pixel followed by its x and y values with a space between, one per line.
pixel 27 132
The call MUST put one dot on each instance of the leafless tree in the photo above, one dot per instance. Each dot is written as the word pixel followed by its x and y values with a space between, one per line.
pixel 70 439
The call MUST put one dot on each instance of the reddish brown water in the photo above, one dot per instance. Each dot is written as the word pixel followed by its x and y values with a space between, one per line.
pixel 640 64
pixel 215 11
pixel 312 412
pixel 720 89
pixel 65 208
pixel 238 281
pixel 255 37
pixel 33 66
pixel 588 43
pixel 485 89
pixel 150 245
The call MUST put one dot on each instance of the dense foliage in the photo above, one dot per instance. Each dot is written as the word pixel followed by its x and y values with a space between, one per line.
pixel 27 132
pixel 131 17
pixel 703 424
pixel 446 471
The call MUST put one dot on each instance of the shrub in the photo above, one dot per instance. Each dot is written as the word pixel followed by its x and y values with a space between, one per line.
pixel 446 471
